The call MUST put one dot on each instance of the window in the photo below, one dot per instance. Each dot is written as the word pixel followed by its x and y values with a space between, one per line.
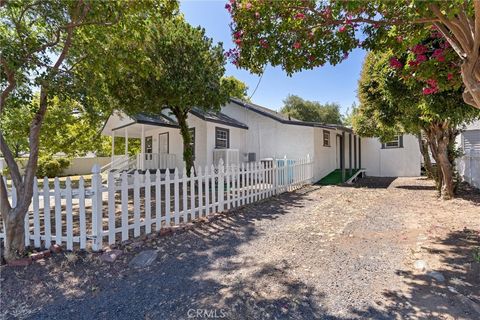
pixel 148 148
pixel 326 138
pixel 397 142
pixel 222 138
pixel 192 143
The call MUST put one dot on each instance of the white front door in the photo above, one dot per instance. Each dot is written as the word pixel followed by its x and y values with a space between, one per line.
pixel 163 143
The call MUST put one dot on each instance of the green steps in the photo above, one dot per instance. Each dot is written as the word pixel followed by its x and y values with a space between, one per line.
pixel 335 177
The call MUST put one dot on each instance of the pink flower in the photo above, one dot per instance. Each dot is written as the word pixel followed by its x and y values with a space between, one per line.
pixel 427 91
pixel 342 29
pixel 421 58
pixel 311 58
pixel 412 63
pixel 300 16
pixel 238 34
pixel 399 39
pixel 437 52
pixel 441 58
pixel 257 15
pixel 263 43
pixel 248 6
pixel 395 63
pixel 228 7
pixel 432 83
pixel 419 49
pixel 297 45
pixel 238 42
pixel 449 76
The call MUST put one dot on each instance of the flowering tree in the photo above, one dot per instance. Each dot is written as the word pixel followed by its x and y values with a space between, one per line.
pixel 304 34
pixel 392 101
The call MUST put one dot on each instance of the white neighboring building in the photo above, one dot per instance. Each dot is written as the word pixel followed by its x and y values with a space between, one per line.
pixel 398 158
pixel 469 164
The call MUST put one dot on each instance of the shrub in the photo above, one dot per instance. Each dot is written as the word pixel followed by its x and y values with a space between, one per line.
pixel 51 167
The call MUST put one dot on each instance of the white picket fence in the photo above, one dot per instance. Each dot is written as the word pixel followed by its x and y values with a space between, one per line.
pixel 469 168
pixel 92 216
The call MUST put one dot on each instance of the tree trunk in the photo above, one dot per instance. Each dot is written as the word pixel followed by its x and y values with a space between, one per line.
pixel 427 162
pixel 439 136
pixel 182 116
pixel 447 191
pixel 14 235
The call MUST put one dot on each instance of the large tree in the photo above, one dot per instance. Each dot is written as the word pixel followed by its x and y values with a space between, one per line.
pixel 391 103
pixel 39 40
pixel 305 110
pixel 185 70
pixel 304 34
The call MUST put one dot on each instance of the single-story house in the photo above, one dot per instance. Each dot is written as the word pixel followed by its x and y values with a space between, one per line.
pixel 245 132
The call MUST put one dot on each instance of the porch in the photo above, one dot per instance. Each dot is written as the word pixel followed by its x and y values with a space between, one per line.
pixel 153 135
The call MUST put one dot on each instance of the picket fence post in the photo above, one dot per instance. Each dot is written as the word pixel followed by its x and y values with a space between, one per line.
pixel 96 208
pixel 221 186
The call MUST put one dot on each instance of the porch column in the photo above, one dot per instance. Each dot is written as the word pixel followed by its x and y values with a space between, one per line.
pixel 126 142
pixel 350 153
pixel 142 149
pixel 113 146
pixel 359 153
pixel 355 152
pixel 342 156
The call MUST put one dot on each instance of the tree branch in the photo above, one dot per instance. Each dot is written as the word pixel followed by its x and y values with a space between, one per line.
pixel 11 163
pixel 5 206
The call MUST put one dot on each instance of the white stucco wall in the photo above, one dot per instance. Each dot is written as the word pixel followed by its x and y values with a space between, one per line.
pixel 395 162
pixel 325 158
pixel 270 138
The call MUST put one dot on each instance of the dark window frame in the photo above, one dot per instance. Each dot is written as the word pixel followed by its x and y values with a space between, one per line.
pixel 168 141
pixel 398 143
pixel 217 146
pixel 326 134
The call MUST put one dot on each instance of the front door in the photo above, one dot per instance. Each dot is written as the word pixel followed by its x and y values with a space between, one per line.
pixel 163 143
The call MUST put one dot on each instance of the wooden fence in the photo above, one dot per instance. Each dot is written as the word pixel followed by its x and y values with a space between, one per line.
pixel 84 216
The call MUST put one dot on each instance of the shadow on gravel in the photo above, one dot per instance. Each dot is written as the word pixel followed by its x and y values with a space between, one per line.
pixel 469 193
pixel 431 297
pixel 431 188
pixel 372 183
pixel 197 271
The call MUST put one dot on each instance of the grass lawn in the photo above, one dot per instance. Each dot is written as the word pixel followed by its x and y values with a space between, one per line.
pixel 335 177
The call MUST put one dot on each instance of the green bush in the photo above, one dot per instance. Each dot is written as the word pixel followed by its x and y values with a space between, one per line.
pixel 51 167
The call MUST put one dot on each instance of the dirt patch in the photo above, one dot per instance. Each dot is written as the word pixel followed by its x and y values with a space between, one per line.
pixel 337 252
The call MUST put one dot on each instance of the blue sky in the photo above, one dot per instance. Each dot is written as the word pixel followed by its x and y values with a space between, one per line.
pixel 327 84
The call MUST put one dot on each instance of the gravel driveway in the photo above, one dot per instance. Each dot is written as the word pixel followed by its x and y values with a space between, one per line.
pixel 336 252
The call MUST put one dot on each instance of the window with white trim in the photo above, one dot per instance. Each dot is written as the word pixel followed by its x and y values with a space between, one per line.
pixel 326 138
pixel 396 142
pixel 222 138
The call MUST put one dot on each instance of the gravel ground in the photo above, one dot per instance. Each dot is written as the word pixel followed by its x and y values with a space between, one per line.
pixel 336 252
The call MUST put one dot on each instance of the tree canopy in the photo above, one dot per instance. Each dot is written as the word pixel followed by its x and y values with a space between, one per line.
pixel 391 103
pixel 312 111
pixel 298 34
pixel 43 44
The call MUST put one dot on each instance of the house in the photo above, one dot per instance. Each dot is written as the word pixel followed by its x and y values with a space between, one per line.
pixel 246 132
pixel 400 157
pixel 469 138
pixel 468 165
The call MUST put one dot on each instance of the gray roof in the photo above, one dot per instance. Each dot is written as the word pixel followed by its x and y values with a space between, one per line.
pixel 283 118
pixel 217 117
pixel 165 121
pixel 156 120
